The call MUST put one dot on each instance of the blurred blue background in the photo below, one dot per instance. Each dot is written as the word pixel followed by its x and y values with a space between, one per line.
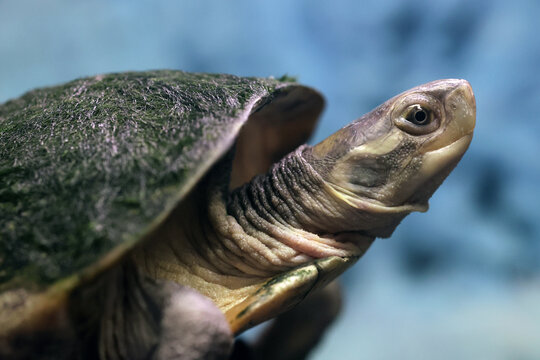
pixel 459 282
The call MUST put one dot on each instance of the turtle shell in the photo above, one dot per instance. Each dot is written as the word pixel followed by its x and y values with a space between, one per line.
pixel 89 167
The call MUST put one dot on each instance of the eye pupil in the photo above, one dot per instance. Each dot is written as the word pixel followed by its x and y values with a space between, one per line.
pixel 420 116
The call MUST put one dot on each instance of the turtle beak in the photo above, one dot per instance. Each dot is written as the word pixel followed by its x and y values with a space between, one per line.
pixel 460 106
pixel 465 115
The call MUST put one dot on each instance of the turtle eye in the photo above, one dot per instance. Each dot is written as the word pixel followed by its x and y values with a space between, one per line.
pixel 419 115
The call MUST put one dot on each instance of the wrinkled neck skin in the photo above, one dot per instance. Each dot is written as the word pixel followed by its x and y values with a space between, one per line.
pixel 294 208
pixel 224 244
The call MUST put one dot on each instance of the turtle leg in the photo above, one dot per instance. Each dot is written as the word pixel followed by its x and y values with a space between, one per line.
pixel 292 335
pixel 125 315
pixel 192 327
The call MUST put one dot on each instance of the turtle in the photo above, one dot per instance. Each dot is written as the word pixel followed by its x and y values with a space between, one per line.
pixel 141 209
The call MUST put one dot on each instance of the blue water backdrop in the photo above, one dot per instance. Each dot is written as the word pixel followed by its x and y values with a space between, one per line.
pixel 459 282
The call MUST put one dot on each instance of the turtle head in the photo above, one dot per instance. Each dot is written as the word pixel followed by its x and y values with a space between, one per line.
pixel 392 159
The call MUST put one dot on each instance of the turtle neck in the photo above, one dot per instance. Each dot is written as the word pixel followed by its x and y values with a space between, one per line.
pixel 226 244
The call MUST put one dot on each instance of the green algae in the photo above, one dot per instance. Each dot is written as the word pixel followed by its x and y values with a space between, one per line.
pixel 96 162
